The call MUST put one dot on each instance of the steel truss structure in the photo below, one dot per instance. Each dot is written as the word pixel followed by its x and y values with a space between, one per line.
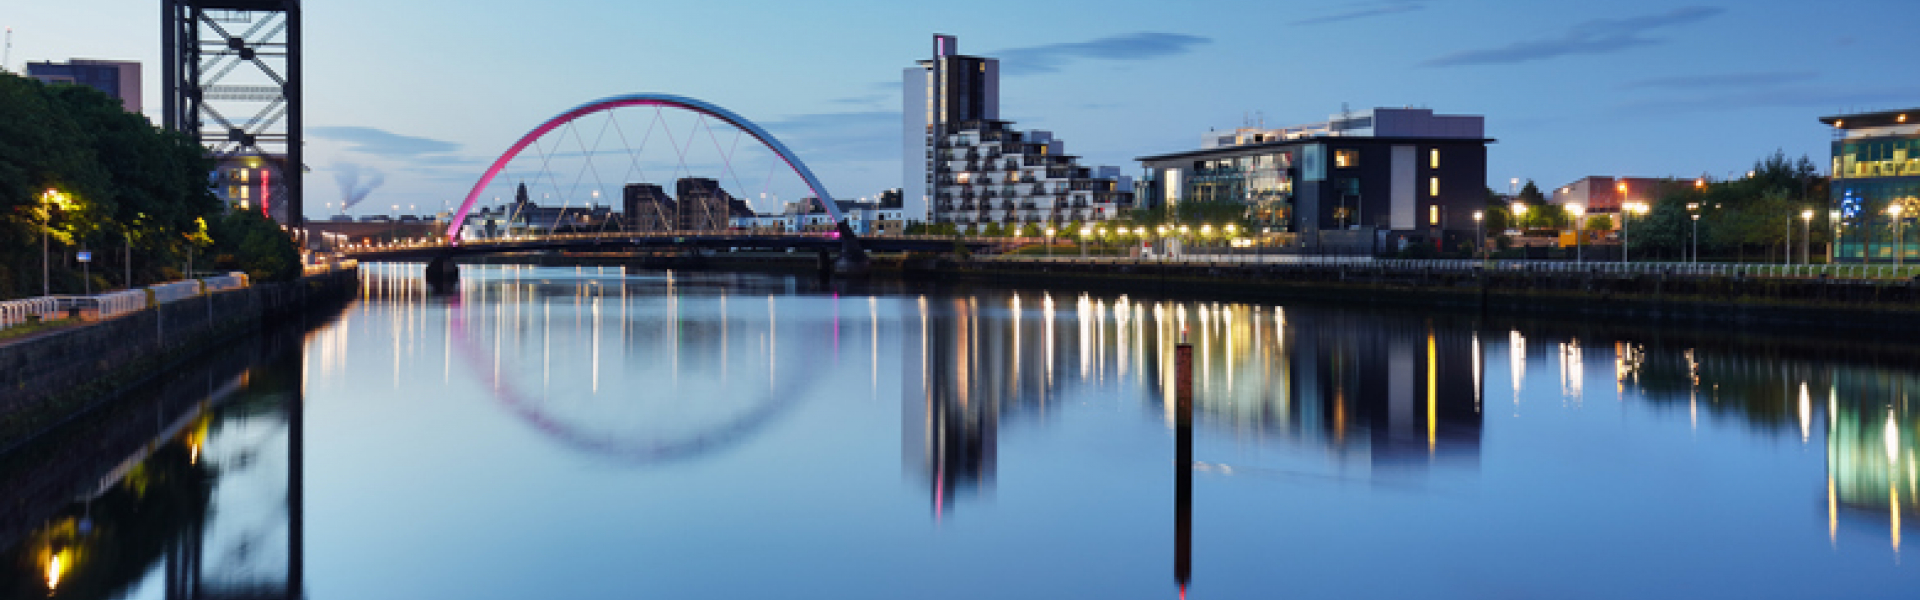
pixel 232 81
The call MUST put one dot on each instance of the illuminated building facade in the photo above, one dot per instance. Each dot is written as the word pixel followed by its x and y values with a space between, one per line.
pixel 971 169
pixel 247 183
pixel 1605 195
pixel 1876 184
pixel 1363 182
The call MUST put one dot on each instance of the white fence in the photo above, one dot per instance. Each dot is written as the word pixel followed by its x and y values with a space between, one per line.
pixel 15 312
pixel 175 291
pixel 113 304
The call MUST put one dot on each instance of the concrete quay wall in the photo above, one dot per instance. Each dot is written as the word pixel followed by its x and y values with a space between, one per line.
pixel 47 380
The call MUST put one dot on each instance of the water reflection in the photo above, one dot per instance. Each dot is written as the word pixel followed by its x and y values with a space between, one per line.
pixel 1366 391
pixel 1303 429
pixel 188 489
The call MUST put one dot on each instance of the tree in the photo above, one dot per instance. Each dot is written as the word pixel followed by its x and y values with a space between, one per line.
pixel 118 181
pixel 1531 195
pixel 247 241
pixel 1599 223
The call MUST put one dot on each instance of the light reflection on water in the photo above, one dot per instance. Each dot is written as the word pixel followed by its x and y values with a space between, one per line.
pixel 581 432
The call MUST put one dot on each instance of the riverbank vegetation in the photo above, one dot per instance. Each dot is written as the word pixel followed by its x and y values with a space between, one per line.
pixel 81 172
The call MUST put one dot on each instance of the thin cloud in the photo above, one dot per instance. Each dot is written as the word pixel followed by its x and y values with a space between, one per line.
pixel 1721 81
pixel 1602 36
pixel 1049 58
pixel 1815 98
pixel 1362 11
pixel 867 99
pixel 380 142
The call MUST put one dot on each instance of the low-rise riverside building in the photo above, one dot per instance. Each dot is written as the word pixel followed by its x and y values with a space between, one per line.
pixel 1876 185
pixel 1359 183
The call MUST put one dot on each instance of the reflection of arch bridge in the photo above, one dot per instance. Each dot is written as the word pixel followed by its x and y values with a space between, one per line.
pixel 849 246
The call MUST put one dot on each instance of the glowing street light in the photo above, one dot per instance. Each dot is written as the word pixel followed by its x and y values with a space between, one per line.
pixel 1479 234
pixel 1577 211
pixel 1899 244
pixel 1806 233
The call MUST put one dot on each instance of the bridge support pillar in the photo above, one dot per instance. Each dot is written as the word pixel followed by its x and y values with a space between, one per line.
pixel 442 273
pixel 853 258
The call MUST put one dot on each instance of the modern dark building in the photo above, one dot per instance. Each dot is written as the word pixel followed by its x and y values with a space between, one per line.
pixel 1360 183
pixel 1876 184
pixel 117 78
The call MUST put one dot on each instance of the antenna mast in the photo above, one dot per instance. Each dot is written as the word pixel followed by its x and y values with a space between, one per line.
pixel 7 55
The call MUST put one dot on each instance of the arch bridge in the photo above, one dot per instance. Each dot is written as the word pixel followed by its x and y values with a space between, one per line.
pixel 849 247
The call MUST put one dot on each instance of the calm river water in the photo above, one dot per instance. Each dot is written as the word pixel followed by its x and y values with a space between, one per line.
pixel 585 433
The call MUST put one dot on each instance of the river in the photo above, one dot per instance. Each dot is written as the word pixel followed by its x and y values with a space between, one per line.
pixel 587 433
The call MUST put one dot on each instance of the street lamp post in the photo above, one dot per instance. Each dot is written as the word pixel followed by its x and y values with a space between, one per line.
pixel 1806 235
pixel 1479 235
pixel 1833 244
pixel 1049 242
pixel 1696 238
pixel 1899 245
pixel 1577 211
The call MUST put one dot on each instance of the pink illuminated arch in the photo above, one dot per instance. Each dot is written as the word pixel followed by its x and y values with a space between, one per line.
pixel 605 104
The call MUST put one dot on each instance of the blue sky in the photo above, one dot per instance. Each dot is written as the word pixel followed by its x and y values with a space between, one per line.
pixel 427 91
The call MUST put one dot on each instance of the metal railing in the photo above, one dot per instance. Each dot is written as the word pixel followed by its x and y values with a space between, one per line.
pixel 15 312
pixel 175 291
pixel 113 304
pixel 221 284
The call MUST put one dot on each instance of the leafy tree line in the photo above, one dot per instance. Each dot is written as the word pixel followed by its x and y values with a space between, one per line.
pixel 82 171
pixel 1740 219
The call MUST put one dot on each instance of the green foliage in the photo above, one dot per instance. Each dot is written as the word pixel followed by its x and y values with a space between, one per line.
pixel 1531 195
pixel 1599 223
pixel 993 230
pixel 119 182
pixel 247 241
pixel 1545 216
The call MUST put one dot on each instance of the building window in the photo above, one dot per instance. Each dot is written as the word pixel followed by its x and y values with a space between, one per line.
pixel 1433 158
pixel 1433 186
pixel 1346 159
pixel 1433 214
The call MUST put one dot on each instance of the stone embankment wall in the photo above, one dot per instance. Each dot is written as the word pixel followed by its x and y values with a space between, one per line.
pixel 47 380
pixel 1882 305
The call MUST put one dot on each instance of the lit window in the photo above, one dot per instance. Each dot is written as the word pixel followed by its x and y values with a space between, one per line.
pixel 1346 159
pixel 1433 214
pixel 1433 186
pixel 1433 158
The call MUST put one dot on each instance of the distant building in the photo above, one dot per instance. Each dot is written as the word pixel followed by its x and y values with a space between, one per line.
pixel 1876 167
pixel 526 217
pixel 1604 195
pixel 703 206
pixel 647 207
pixel 1366 182
pixel 117 78
pixel 963 165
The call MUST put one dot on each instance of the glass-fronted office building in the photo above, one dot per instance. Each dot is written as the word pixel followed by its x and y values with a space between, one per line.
pixel 1876 185
pixel 1360 183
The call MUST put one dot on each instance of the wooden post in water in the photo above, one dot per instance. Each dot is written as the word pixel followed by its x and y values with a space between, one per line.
pixel 1183 464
